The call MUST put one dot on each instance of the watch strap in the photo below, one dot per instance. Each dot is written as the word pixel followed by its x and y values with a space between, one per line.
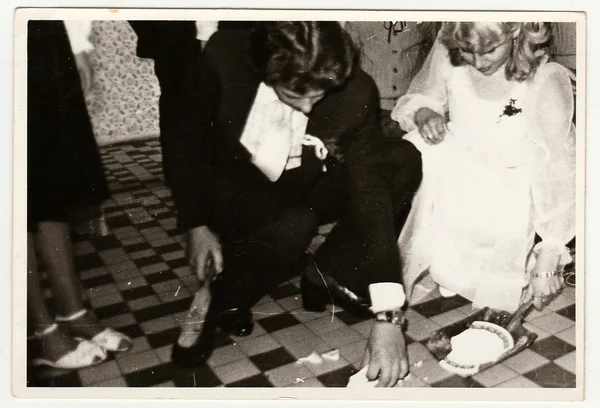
pixel 391 316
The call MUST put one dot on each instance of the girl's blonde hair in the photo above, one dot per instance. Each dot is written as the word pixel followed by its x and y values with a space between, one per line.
pixel 529 46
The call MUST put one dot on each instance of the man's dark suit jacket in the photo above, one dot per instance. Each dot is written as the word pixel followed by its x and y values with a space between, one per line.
pixel 344 120
pixel 156 38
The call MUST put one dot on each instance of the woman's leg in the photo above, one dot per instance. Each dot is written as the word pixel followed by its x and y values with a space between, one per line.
pixel 54 344
pixel 56 250
pixel 57 253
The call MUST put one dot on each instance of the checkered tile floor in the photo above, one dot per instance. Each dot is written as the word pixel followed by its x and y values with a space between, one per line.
pixel 137 281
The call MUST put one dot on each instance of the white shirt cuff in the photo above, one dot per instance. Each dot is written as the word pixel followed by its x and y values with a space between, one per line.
pixel 386 296
pixel 205 29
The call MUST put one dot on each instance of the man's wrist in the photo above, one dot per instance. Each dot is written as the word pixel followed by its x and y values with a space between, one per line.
pixel 395 317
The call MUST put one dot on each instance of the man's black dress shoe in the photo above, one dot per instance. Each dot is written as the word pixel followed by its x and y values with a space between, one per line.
pixel 237 321
pixel 315 297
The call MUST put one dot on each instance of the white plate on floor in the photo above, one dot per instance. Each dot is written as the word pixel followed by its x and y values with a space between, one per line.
pixel 481 343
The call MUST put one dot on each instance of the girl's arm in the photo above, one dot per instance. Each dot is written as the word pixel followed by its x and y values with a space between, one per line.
pixel 427 89
pixel 554 175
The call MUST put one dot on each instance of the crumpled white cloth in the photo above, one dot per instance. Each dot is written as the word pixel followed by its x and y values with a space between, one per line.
pixel 360 380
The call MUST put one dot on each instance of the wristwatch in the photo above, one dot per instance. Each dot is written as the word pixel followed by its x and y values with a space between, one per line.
pixel 394 316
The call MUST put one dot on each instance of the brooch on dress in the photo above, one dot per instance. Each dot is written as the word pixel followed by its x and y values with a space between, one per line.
pixel 510 109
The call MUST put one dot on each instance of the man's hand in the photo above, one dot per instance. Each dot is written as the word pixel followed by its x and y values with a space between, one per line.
pixel 386 354
pixel 204 249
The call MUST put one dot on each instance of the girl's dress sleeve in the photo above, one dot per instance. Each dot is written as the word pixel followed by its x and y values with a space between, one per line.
pixel 554 173
pixel 79 32
pixel 427 89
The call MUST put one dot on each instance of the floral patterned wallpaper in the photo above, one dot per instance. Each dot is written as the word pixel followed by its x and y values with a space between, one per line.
pixel 123 101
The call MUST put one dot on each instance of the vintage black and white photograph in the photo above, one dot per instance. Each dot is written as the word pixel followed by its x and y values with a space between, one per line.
pixel 253 202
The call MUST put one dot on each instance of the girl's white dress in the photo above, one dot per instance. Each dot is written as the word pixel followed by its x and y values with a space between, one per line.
pixel 505 170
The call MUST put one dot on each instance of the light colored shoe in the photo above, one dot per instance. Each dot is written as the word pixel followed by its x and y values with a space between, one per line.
pixel 86 354
pixel 109 339
pixel 112 340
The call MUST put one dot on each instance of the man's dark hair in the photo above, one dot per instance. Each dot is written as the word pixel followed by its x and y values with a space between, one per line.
pixel 302 55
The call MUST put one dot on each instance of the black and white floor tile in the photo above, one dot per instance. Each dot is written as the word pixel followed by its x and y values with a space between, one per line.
pixel 136 280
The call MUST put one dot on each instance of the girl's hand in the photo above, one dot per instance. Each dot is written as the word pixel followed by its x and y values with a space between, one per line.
pixel 544 282
pixel 432 125
pixel 543 289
